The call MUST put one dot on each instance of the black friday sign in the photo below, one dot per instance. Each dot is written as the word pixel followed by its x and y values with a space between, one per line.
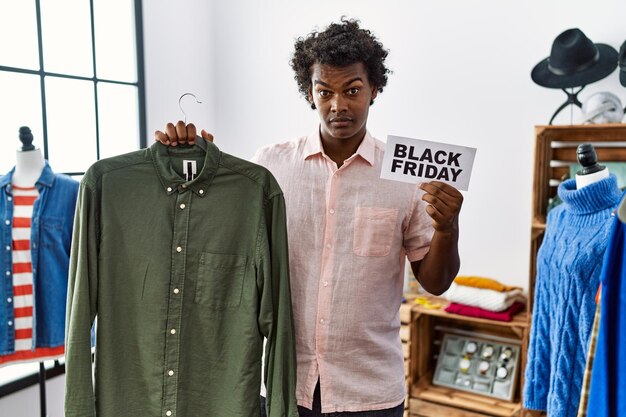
pixel 415 160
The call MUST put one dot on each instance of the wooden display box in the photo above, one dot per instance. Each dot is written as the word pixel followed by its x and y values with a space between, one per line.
pixel 427 329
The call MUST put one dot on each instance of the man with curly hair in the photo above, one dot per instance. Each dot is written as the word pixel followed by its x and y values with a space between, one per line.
pixel 350 231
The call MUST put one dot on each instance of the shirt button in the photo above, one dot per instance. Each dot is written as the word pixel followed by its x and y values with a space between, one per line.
pixel 182 206
pixel 173 331
pixel 168 413
pixel 322 321
pixel 9 198
pixel 326 283
pixel 8 248
pixel 169 189
pixel 7 222
pixel 328 245
pixel 8 273
pixel 201 192
pixel 179 249
pixel 170 372
pixel 176 290
pixel 331 211
pixel 9 300
pixel 10 323
pixel 184 185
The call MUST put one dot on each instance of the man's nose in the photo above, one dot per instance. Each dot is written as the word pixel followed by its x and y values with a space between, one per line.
pixel 338 104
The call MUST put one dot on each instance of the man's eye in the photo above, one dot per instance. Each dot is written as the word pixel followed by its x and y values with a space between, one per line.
pixel 324 93
pixel 353 91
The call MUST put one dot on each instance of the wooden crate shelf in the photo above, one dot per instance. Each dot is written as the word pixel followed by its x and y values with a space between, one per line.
pixel 470 403
pixel 420 408
pixel 428 326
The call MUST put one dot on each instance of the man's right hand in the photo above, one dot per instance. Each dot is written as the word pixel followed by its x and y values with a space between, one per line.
pixel 180 134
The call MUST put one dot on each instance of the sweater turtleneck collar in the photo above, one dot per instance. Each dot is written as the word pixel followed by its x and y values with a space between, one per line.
pixel 595 197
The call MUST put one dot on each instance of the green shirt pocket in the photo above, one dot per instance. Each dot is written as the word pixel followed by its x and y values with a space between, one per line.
pixel 220 280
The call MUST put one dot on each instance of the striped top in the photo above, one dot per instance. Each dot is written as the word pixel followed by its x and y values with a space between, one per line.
pixel 23 200
pixel 23 290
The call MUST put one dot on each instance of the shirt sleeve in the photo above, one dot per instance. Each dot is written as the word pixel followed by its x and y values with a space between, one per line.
pixel 418 231
pixel 275 313
pixel 81 307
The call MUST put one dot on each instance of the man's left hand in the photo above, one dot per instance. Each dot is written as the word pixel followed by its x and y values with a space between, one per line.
pixel 444 205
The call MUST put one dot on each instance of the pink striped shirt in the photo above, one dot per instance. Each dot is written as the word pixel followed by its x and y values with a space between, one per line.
pixel 349 234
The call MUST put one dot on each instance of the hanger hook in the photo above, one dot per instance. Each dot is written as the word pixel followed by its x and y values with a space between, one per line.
pixel 181 107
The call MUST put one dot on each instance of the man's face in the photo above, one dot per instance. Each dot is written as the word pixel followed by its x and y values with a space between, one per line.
pixel 342 96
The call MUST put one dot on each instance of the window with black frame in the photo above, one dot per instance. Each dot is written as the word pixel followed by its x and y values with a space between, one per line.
pixel 72 71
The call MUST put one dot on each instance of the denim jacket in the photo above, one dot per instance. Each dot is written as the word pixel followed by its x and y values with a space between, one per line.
pixel 51 231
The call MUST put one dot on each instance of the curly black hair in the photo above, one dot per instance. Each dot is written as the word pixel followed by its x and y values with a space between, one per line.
pixel 339 45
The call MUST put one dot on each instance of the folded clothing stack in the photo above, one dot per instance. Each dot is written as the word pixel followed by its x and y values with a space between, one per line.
pixel 484 298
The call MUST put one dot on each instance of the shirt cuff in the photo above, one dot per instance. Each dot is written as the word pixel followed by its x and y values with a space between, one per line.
pixel 417 254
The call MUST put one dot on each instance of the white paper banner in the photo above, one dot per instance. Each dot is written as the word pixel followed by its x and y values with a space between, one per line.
pixel 416 160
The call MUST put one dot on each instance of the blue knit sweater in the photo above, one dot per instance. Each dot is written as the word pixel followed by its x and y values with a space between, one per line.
pixel 569 262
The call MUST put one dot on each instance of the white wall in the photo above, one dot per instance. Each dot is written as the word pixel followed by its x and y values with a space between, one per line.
pixel 179 58
pixel 461 74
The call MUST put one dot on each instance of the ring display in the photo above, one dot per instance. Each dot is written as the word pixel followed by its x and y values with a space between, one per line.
pixel 472 364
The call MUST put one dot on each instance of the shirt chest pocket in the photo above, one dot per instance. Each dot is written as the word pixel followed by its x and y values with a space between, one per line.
pixel 220 280
pixel 374 228
pixel 51 232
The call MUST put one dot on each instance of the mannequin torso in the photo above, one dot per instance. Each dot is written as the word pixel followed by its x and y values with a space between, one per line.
pixel 28 168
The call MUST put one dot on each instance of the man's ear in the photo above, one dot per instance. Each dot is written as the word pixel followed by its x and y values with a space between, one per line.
pixel 374 94
pixel 309 97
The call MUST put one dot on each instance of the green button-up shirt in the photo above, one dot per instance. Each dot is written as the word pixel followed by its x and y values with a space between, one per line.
pixel 185 279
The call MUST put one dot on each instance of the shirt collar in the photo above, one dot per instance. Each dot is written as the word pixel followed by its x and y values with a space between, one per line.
pixel 6 179
pixel 46 178
pixel 171 181
pixel 366 150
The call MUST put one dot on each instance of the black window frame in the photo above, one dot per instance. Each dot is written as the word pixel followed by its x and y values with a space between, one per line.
pixel 140 83
pixel 58 369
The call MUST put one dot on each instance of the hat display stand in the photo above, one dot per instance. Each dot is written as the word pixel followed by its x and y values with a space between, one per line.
pixel 572 99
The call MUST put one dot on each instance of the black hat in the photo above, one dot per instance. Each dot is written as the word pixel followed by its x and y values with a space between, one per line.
pixel 622 64
pixel 574 61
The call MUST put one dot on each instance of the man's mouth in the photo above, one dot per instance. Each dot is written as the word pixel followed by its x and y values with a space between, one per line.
pixel 341 121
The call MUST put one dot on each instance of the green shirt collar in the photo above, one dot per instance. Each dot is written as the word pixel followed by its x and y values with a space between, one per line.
pixel 171 181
